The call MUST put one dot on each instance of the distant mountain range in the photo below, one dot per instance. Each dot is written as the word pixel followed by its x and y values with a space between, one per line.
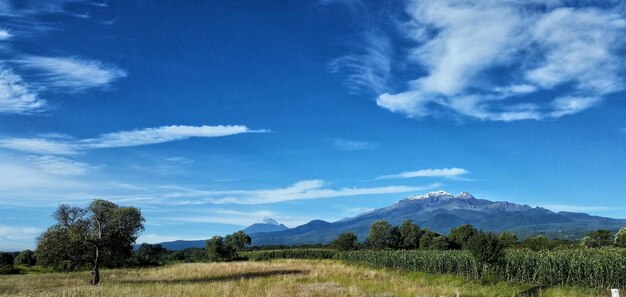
pixel 438 211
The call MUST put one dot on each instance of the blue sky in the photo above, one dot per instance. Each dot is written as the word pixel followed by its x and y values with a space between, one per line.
pixel 211 116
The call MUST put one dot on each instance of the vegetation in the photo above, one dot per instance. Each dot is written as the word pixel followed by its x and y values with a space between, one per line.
pixel 598 238
pixel 347 241
pixel 290 254
pixel 149 255
pixel 410 235
pixel 26 257
pixel 226 249
pixel 461 235
pixel 277 279
pixel 6 263
pixel 101 234
pixel 620 238
pixel 380 236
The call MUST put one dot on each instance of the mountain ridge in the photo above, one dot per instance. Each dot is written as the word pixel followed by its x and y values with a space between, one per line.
pixel 440 211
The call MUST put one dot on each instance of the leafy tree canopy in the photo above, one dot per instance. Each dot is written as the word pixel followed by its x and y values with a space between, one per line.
pixel 101 234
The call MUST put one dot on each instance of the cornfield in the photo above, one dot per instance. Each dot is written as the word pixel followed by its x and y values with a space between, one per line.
pixel 594 268
pixel 289 254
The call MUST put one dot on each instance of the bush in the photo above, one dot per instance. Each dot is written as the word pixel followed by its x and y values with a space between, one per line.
pixel 6 263
pixel 26 257
pixel 597 239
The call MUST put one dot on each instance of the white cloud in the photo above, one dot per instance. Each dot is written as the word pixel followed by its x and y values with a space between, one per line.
pixel 39 146
pixel 72 74
pixel 163 134
pixel 17 233
pixel 4 34
pixel 571 105
pixel 444 172
pixel 68 146
pixel 59 165
pixel 16 96
pixel 506 60
pixel 353 145
pixel 16 238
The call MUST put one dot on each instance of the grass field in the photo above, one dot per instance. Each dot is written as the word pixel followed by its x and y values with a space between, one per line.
pixel 272 279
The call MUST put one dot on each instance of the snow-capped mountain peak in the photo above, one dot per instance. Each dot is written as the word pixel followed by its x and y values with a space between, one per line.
pixel 441 195
pixel 465 195
pixel 438 194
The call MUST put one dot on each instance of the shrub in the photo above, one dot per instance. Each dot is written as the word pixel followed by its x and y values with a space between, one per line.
pixel 26 257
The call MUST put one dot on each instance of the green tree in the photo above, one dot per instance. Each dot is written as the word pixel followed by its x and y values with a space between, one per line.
pixel 426 240
pixel 508 239
pixel 410 234
pixel 620 238
pixel 237 241
pixel 226 249
pixel 216 250
pixel 380 236
pixel 538 243
pixel 461 235
pixel 150 254
pixel 439 243
pixel 485 247
pixel 346 241
pixel 101 234
pixel 598 238
pixel 26 257
pixel 6 263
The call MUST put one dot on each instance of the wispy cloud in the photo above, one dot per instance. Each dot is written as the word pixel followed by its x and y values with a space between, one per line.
pixel 504 61
pixel 25 78
pixel 307 189
pixel 353 145
pixel 301 190
pixel 444 172
pixel 16 96
pixel 59 165
pixel 138 137
pixel 369 69
pixel 71 74
pixel 39 146
pixel 577 208
pixel 163 134
pixel 14 238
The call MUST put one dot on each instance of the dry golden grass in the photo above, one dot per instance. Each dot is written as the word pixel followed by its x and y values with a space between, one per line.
pixel 272 279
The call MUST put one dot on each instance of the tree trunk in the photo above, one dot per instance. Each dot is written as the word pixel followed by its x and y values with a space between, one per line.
pixel 95 272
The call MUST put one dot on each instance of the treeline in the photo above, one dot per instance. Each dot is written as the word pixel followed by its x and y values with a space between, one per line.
pixel 409 236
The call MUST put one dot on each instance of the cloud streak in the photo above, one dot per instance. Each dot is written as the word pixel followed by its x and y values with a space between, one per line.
pixel 302 190
pixel 444 172
pixel 137 137
pixel 353 145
